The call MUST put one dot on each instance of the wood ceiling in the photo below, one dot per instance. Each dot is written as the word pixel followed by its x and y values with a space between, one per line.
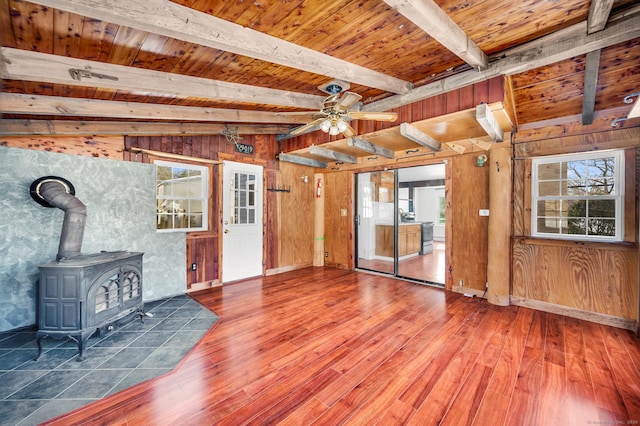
pixel 211 61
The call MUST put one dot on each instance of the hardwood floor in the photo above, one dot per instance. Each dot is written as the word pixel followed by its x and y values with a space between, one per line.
pixel 327 346
pixel 428 267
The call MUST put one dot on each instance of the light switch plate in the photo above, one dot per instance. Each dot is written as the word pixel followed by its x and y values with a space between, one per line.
pixel 484 212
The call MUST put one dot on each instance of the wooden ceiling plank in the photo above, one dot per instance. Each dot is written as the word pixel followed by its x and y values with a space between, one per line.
pixel 412 133
pixel 11 127
pixel 590 86
pixel 15 103
pixel 332 155
pixel 598 15
pixel 554 48
pixel 485 117
pixel 296 159
pixel 429 17
pixel 33 66
pixel 369 147
pixel 182 23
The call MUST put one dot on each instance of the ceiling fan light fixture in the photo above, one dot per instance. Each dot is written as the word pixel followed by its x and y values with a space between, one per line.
pixel 341 124
pixel 325 125
pixel 333 130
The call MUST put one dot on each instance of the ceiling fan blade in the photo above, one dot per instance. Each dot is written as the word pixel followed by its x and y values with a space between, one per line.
pixel 350 131
pixel 371 115
pixel 308 126
pixel 298 113
pixel 347 100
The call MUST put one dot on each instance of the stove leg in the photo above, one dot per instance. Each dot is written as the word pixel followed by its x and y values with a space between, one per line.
pixel 81 356
pixel 39 342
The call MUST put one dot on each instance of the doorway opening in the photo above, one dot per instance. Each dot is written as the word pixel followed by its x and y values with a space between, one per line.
pixel 400 223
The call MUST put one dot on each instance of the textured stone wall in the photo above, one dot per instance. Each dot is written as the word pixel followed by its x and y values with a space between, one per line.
pixel 120 200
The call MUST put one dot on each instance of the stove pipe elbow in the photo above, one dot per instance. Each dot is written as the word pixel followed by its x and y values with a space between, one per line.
pixel 56 192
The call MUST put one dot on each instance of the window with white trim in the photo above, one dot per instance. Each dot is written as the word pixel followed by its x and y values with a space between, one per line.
pixel 182 191
pixel 578 196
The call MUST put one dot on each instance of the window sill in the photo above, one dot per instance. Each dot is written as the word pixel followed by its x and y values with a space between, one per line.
pixel 617 245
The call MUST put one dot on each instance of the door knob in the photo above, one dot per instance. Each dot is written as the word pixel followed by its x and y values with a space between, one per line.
pixel 226 231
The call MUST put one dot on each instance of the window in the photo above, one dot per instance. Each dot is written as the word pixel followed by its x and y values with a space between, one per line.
pixel 441 209
pixel 243 202
pixel 578 196
pixel 181 194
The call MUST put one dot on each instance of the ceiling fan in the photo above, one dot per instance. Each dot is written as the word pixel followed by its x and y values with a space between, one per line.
pixel 334 116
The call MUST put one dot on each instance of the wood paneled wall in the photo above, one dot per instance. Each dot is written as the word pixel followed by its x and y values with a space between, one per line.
pixel 600 278
pixel 290 218
pixel 89 146
pixel 213 147
pixel 591 277
pixel 338 219
pixel 203 248
pixel 468 232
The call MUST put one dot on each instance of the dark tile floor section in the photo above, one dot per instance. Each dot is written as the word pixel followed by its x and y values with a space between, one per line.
pixel 34 391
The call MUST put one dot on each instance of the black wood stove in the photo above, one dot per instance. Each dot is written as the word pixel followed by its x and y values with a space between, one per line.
pixel 81 295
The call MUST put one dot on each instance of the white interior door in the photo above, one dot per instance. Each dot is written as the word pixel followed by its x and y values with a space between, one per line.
pixel 241 221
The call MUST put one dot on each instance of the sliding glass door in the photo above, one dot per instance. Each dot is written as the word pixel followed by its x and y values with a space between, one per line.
pixel 400 223
pixel 375 221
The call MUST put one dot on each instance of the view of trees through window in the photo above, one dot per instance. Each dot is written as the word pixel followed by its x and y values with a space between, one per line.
pixel 181 194
pixel 579 196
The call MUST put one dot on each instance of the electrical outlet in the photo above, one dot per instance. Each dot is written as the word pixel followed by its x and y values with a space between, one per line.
pixel 326 254
pixel 194 266
pixel 460 283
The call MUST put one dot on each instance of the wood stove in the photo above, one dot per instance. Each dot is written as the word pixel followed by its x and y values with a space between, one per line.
pixel 83 295
pixel 80 295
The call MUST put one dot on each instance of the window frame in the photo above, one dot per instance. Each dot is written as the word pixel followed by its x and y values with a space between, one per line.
pixel 619 195
pixel 203 198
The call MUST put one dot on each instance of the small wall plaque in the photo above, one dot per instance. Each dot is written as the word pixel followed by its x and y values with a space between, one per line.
pixel 244 148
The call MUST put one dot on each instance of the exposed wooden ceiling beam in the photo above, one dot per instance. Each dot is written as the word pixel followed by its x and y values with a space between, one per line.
pixel 485 117
pixel 598 15
pixel 369 147
pixel 553 48
pixel 332 155
pixel 429 17
pixel 290 158
pixel 419 137
pixel 15 103
pixel 590 86
pixel 18 64
pixel 11 127
pixel 182 23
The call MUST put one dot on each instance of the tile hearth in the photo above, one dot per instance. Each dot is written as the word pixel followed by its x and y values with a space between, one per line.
pixel 36 391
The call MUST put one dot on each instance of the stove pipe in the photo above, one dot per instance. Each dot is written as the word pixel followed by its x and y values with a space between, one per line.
pixel 52 191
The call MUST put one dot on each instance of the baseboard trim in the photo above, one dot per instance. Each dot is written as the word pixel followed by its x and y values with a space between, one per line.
pixel 596 317
pixel 287 268
pixel 204 286
pixel 466 290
